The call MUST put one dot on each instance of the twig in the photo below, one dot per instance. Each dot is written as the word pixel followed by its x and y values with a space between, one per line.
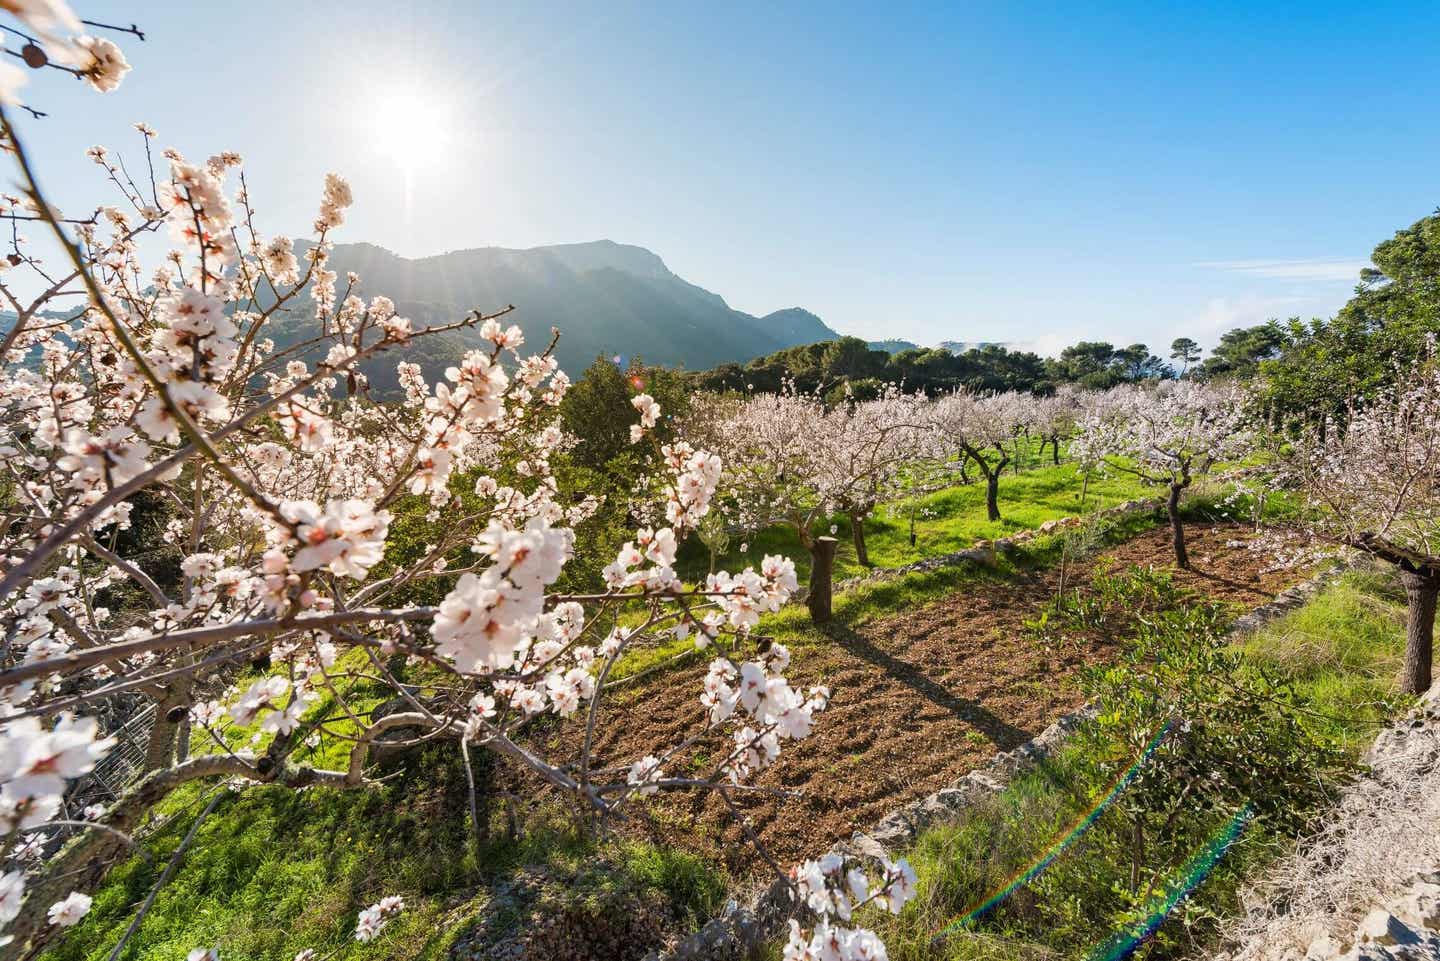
pixel 165 875
pixel 474 806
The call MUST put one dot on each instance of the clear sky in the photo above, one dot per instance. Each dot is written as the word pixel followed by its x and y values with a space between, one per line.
pixel 1033 173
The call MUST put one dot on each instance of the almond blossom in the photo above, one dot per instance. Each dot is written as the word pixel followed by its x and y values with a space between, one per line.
pixel 148 410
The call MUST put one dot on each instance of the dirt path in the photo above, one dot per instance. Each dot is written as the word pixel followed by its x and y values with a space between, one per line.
pixel 919 699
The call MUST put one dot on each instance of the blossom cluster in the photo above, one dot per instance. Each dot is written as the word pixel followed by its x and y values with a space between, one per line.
pixel 62 42
pixel 373 919
pixel 835 889
pixel 1167 433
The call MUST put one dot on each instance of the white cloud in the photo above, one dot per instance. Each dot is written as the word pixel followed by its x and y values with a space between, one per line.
pixel 1224 313
pixel 1320 268
pixel 1050 345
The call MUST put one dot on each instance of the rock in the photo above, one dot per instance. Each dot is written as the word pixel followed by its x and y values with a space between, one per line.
pixel 1382 927
pixel 1322 949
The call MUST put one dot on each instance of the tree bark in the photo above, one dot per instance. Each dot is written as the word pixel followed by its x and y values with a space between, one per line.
pixel 857 531
pixel 1177 530
pixel 182 740
pixel 992 495
pixel 1421 589
pixel 822 579
pixel 160 750
pixel 1055 450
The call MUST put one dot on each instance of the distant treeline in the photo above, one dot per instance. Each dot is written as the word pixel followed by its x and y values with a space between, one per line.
pixel 1093 364
pixel 1306 371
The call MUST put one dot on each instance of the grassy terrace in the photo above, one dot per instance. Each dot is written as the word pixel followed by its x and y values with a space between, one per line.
pixel 948 520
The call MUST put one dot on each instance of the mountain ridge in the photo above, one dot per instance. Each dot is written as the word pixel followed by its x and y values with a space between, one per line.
pixel 606 298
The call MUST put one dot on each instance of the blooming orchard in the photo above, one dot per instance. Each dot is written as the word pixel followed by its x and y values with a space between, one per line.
pixel 1167 435
pixel 790 458
pixel 151 406
pixel 985 429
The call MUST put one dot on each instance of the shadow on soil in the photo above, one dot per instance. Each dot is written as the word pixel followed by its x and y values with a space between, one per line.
pixel 1003 735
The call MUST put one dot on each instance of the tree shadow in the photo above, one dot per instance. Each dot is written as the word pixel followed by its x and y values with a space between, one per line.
pixel 1001 733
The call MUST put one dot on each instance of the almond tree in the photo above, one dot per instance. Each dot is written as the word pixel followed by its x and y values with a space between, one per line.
pixel 985 429
pixel 1166 435
pixel 1376 487
pixel 156 392
pixel 1054 417
pixel 792 460
pixel 868 447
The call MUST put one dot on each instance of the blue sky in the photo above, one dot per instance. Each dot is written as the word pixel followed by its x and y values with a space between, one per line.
pixel 1017 172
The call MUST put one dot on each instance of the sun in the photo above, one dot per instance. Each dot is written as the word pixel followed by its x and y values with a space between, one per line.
pixel 412 129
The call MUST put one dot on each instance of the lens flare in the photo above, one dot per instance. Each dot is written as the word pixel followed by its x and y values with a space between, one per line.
pixel 1071 834
pixel 1194 871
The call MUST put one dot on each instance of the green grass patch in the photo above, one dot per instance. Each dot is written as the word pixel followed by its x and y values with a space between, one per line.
pixel 273 871
pixel 948 520
pixel 1342 652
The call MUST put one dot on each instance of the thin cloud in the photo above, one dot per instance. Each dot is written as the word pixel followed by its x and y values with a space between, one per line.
pixel 1320 268
pixel 1224 313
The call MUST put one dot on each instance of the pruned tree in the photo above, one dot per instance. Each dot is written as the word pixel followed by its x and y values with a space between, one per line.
pixel 1053 417
pixel 1167 436
pixel 791 459
pixel 868 447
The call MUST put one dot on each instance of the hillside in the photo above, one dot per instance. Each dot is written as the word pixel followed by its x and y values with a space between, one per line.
pixel 609 299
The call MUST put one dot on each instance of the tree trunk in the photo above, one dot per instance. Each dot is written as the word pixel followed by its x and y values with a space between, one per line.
pixel 1172 508
pixel 1422 589
pixel 992 496
pixel 160 751
pixel 857 531
pixel 822 578
pixel 1055 450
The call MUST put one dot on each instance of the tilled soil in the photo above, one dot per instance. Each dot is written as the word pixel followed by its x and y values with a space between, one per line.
pixel 920 698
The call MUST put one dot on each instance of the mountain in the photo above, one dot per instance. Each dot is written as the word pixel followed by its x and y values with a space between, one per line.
pixel 607 299
pixel 893 345
pixel 960 346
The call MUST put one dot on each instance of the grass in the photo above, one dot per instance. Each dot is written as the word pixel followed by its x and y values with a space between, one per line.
pixel 1340 654
pixel 273 871
pixel 948 520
